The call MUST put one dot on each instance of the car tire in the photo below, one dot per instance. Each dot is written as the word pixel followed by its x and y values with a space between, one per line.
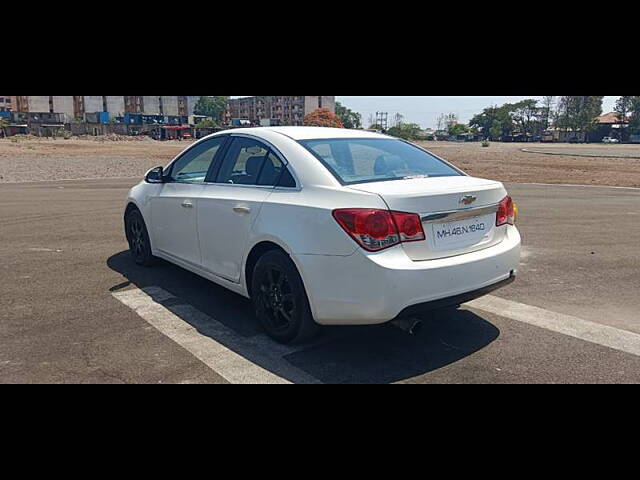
pixel 280 300
pixel 138 238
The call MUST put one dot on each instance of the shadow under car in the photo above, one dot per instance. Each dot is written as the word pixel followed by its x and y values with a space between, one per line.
pixel 341 354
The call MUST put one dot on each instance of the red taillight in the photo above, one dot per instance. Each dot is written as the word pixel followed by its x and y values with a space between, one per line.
pixel 409 226
pixel 506 212
pixel 376 229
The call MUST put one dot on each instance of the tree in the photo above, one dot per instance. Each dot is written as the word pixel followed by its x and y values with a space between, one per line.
pixel 578 114
pixel 495 131
pixel 547 111
pixel 323 117
pixel 457 129
pixel 494 122
pixel 525 114
pixel 398 118
pixel 349 118
pixel 634 118
pixel 407 131
pixel 212 107
pixel 371 121
pixel 622 109
pixel 450 119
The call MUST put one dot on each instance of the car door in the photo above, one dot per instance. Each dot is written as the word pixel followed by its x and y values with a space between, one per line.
pixel 174 209
pixel 231 202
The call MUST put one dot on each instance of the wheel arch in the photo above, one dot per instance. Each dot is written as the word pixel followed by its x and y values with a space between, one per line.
pixel 133 205
pixel 256 251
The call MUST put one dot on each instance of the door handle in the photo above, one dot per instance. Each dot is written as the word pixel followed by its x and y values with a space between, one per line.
pixel 187 204
pixel 241 209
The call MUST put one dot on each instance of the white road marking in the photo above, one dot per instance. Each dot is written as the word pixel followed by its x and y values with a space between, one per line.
pixel 241 360
pixel 604 335
pixel 214 344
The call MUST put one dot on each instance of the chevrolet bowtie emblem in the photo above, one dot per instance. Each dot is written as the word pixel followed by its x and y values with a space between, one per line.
pixel 468 199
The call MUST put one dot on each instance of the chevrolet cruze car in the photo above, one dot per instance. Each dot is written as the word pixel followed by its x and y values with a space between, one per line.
pixel 325 226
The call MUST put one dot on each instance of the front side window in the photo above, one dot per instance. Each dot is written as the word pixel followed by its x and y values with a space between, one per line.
pixel 360 160
pixel 193 165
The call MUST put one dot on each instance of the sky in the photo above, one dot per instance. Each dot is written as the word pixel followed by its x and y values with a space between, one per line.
pixel 425 110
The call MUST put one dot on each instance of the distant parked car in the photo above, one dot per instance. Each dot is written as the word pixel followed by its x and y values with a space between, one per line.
pixel 610 140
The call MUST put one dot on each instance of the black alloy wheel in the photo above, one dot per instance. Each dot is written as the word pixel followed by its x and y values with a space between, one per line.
pixel 138 238
pixel 280 300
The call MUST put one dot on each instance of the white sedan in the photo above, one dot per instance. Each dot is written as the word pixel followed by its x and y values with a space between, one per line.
pixel 322 226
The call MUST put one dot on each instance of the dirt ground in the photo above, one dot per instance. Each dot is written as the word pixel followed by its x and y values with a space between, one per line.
pixel 34 159
pixel 508 163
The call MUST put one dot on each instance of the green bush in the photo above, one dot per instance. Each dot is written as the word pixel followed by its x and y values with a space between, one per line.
pixel 207 123
pixel 406 131
pixel 485 144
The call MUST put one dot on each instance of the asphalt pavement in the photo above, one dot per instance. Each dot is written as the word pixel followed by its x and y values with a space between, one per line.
pixel 76 309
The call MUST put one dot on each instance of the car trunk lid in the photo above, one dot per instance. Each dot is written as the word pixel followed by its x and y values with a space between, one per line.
pixel 458 213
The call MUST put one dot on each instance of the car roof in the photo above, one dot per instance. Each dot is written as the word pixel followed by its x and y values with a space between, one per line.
pixel 309 133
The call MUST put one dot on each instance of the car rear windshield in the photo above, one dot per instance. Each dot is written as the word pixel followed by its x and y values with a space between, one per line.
pixel 361 160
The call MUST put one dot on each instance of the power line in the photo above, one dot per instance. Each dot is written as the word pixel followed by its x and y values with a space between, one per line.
pixel 382 119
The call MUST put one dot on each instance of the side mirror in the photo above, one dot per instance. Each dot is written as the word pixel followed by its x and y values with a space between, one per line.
pixel 154 175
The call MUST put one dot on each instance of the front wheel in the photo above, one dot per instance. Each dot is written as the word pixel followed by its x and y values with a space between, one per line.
pixel 138 238
pixel 280 300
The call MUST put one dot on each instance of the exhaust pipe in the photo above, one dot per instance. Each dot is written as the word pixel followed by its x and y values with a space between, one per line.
pixel 408 324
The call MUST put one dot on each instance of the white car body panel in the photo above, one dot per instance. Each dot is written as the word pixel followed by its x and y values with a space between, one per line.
pixel 226 214
pixel 380 285
pixel 345 284
pixel 174 226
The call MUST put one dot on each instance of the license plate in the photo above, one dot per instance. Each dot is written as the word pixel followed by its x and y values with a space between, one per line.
pixel 462 233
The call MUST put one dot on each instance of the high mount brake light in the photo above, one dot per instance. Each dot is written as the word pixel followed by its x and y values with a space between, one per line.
pixel 506 212
pixel 375 229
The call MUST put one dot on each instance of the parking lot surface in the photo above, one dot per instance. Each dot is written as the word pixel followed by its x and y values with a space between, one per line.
pixel 75 308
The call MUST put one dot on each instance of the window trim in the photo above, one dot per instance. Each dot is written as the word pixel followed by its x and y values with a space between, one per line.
pixel 343 183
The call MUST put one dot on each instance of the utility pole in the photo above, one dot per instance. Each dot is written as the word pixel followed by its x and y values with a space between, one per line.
pixel 382 119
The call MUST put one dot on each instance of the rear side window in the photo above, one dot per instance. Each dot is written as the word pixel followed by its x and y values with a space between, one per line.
pixel 271 170
pixel 250 162
pixel 360 160
pixel 286 179
pixel 243 162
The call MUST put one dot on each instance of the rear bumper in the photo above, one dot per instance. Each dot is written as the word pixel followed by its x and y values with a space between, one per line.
pixel 456 299
pixel 370 288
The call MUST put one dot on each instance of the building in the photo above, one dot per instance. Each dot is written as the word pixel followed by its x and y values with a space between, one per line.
pixel 77 107
pixel 277 110
pixel 609 125
pixel 161 105
pixel 606 125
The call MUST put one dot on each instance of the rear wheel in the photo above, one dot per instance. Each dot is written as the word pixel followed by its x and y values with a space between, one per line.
pixel 138 238
pixel 280 300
